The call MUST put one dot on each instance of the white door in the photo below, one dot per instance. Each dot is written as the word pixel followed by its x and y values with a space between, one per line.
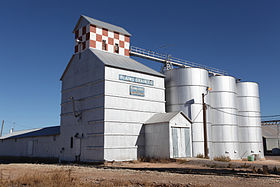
pixel 181 142
pixel 187 143
pixel 175 142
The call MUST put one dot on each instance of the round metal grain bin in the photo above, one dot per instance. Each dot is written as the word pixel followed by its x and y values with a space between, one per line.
pixel 250 132
pixel 184 88
pixel 224 117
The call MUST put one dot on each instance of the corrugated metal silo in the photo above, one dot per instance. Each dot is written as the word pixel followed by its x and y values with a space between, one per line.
pixel 184 88
pixel 224 117
pixel 250 132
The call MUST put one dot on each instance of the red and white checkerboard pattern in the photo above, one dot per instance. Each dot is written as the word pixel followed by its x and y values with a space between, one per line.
pixel 93 36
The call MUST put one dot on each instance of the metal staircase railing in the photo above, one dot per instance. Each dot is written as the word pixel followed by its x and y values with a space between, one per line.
pixel 163 58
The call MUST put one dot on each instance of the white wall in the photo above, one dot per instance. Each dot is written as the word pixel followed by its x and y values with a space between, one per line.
pixel 125 113
pixel 84 80
pixel 157 140
pixel 43 146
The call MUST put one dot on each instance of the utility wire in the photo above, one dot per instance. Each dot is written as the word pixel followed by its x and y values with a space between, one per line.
pixel 272 116
pixel 197 115
pixel 240 115
pixel 232 113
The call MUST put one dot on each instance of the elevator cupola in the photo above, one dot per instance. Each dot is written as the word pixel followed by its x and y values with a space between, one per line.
pixel 92 33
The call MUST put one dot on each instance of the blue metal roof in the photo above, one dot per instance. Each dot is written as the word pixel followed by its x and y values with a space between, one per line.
pixel 46 131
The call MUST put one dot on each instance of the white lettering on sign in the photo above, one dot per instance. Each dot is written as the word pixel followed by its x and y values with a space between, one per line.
pixel 136 80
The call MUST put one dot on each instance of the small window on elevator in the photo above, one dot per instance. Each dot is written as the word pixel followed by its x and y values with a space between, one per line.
pixel 104 45
pixel 116 48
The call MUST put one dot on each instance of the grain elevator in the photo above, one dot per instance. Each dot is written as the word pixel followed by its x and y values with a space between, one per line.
pixel 115 108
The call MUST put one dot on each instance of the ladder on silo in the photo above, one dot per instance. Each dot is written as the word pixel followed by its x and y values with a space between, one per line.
pixel 170 61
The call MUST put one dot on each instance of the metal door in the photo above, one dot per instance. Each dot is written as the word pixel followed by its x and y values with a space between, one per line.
pixel 181 142
pixel 175 142
pixel 187 142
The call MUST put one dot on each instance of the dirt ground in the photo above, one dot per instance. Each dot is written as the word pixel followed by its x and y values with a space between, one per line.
pixel 192 172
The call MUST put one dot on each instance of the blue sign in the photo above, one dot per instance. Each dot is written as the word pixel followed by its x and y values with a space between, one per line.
pixel 136 80
pixel 138 91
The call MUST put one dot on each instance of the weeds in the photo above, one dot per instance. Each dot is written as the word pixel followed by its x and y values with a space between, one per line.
pixel 57 178
pixel 182 161
pixel 134 161
pixel 156 160
pixel 222 159
pixel 200 156
pixel 65 178
pixel 229 165
pixel 245 166
pixel 213 166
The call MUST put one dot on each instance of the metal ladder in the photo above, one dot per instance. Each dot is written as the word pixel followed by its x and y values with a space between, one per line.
pixel 170 61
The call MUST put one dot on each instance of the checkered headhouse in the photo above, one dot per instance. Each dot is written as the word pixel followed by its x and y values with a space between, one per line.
pixel 102 39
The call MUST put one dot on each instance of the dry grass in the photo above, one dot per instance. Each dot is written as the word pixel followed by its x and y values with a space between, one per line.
pixel 62 178
pixel 156 160
pixel 200 156
pixel 229 165
pixel 182 161
pixel 57 178
pixel 222 159
pixel 245 165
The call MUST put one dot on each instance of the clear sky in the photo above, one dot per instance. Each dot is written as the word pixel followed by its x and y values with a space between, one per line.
pixel 239 36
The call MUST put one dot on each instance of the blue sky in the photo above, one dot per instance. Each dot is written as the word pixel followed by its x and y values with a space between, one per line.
pixel 239 36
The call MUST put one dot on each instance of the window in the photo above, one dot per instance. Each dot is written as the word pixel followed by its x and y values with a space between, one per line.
pixel 71 143
pixel 104 45
pixel 76 34
pixel 116 48
pixel 84 45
